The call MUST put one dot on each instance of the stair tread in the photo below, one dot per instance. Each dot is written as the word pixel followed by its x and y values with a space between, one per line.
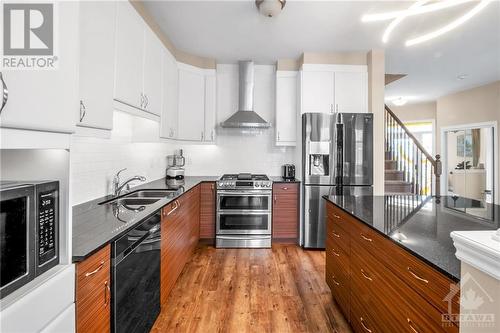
pixel 393 171
pixel 402 182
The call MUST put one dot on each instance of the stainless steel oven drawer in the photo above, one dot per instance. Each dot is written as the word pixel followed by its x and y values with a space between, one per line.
pixel 243 241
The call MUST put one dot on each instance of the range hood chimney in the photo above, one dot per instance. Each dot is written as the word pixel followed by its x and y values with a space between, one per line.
pixel 245 117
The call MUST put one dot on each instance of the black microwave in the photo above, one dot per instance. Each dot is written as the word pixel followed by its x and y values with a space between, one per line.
pixel 29 231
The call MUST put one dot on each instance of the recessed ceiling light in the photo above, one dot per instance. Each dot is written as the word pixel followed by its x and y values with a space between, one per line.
pixel 400 101
pixel 462 76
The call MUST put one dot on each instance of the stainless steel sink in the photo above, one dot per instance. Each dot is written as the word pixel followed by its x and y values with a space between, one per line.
pixel 135 201
pixel 150 194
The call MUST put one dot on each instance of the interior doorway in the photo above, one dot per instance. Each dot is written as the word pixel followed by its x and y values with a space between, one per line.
pixel 470 168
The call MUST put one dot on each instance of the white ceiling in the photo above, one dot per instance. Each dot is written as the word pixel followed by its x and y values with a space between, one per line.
pixel 233 30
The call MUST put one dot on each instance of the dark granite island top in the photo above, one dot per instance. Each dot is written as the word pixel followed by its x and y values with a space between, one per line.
pixel 421 225
pixel 95 226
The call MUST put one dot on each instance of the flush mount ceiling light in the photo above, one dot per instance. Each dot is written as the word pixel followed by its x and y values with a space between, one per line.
pixel 419 8
pixel 270 8
pixel 400 101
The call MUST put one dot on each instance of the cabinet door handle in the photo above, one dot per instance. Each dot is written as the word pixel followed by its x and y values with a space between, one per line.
pixel 336 216
pixel 366 276
pixel 335 234
pixel 416 276
pixel 335 253
pixel 142 100
pixel 336 108
pixel 83 110
pixel 278 136
pixel 107 293
pixel 176 205
pixel 331 108
pixel 411 326
pixel 335 281
pixel 5 93
pixel 95 270
pixel 364 326
pixel 284 188
pixel 275 198
pixel 146 101
pixel 212 135
pixel 212 187
pixel 366 238
pixel 202 135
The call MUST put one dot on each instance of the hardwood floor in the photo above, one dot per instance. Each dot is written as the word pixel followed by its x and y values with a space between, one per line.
pixel 282 289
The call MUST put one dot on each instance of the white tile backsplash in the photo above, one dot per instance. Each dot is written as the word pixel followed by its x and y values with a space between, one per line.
pixel 94 161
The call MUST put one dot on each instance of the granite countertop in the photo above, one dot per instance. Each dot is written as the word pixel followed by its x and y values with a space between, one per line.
pixel 279 179
pixel 422 225
pixel 95 226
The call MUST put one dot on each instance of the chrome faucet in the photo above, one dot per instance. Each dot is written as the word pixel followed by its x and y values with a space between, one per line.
pixel 118 188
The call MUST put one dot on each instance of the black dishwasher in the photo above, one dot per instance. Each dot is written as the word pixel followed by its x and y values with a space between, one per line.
pixel 136 277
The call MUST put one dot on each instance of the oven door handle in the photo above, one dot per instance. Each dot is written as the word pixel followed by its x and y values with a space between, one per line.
pixel 243 237
pixel 252 193
pixel 244 212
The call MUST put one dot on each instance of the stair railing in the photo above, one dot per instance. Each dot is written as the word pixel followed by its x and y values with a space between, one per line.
pixel 418 166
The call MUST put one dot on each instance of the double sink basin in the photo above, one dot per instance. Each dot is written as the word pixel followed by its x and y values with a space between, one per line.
pixel 141 197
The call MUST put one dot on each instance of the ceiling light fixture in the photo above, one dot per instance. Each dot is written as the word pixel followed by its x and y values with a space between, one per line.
pixel 400 101
pixel 270 8
pixel 418 8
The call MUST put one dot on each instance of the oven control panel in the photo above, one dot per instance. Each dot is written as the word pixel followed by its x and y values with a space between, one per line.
pixel 47 225
pixel 244 184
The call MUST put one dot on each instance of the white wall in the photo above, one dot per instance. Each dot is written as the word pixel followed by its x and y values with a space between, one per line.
pixel 94 161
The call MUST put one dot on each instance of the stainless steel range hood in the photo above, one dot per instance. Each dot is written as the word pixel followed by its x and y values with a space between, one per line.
pixel 245 117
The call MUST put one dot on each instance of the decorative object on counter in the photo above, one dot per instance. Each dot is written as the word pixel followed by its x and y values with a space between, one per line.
pixel 288 172
pixel 175 168
pixel 118 188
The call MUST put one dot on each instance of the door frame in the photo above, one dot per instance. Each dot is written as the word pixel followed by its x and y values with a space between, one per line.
pixel 444 152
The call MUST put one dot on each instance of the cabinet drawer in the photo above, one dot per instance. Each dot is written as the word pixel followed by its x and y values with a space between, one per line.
pixel 93 292
pixel 336 257
pixel 286 188
pixel 362 319
pixel 339 286
pixel 338 236
pixel 338 217
pixel 393 303
pixel 430 284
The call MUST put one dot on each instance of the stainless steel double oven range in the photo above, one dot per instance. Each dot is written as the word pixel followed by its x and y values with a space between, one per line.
pixel 244 211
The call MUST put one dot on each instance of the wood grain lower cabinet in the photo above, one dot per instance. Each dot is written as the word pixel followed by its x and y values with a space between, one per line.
pixel 207 210
pixel 93 293
pixel 286 212
pixel 370 278
pixel 180 232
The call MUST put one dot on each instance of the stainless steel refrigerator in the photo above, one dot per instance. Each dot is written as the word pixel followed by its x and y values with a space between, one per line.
pixel 337 158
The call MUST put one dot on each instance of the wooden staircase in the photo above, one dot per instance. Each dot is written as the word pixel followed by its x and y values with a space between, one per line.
pixel 409 168
pixel 395 179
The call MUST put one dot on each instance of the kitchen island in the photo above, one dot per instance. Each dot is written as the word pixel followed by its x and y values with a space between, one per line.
pixel 390 260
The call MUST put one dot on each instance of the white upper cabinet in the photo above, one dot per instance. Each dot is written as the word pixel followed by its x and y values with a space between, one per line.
pixel 169 114
pixel 210 107
pixel 334 88
pixel 152 74
pixel 317 91
pixel 129 53
pixel 97 56
pixel 286 107
pixel 191 121
pixel 351 93
pixel 47 99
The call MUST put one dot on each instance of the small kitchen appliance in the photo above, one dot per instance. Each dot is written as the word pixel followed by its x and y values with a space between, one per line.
pixel 244 211
pixel 288 172
pixel 29 231
pixel 175 168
